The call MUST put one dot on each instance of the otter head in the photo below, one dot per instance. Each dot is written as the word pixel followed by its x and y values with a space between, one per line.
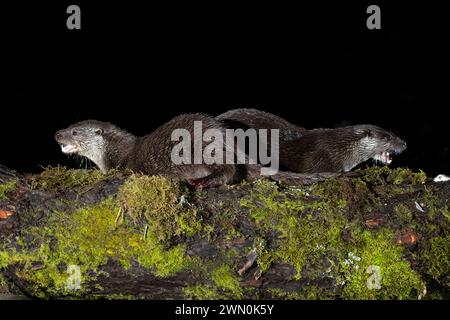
pixel 87 138
pixel 378 144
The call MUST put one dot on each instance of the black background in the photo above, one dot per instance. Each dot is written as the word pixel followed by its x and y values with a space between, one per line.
pixel 137 66
pixel 119 309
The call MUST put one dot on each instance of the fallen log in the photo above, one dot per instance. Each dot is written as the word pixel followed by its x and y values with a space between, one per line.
pixel 377 234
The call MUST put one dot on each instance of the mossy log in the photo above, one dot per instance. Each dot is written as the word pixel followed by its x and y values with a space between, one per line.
pixel 379 234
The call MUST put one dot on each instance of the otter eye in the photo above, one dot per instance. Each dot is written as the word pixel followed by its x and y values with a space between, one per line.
pixel 74 133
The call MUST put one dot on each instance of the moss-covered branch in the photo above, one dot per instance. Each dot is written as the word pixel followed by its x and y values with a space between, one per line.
pixel 383 234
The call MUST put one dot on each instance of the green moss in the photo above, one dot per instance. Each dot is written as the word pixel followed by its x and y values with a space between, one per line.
pixel 437 295
pixel 306 293
pixel 7 187
pixel 225 279
pixel 382 175
pixel 190 223
pixel 446 213
pixel 216 280
pixel 202 292
pixel 157 200
pixel 307 229
pixel 379 252
pixel 310 227
pixel 374 175
pixel 429 200
pixel 226 222
pixel 164 262
pixel 60 179
pixel 264 201
pixel 406 176
pixel 403 214
pixel 264 258
pixel 149 197
pixel 370 190
pixel 435 205
pixel 3 282
pixel 338 191
pixel 232 234
pixel 436 257
pixel 278 293
pixel 87 238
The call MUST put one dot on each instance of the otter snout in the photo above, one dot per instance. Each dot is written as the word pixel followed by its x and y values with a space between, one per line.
pixel 68 145
pixel 58 136
pixel 63 137
pixel 404 145
pixel 400 145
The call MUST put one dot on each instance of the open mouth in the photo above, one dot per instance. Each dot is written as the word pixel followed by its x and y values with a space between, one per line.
pixel 384 157
pixel 69 148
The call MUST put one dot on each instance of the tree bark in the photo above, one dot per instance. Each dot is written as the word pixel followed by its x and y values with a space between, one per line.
pixel 414 213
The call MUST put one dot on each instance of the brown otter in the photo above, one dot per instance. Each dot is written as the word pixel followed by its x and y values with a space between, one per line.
pixel 339 150
pixel 108 147
pixel 320 150
pixel 246 118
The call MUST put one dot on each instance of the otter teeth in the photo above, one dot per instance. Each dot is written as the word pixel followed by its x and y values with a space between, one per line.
pixel 68 148
pixel 386 157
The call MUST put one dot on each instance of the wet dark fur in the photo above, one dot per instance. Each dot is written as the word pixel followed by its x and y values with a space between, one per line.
pixel 318 150
pixel 149 154
pixel 246 118
pixel 337 150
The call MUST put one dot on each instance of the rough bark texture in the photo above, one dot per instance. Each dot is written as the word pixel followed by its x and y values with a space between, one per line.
pixel 379 234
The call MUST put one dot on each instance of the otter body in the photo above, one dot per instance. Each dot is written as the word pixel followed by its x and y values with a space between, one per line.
pixel 246 118
pixel 320 150
pixel 108 147
pixel 300 150
pixel 339 150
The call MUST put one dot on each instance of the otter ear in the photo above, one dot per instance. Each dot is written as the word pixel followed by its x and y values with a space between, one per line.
pixel 99 131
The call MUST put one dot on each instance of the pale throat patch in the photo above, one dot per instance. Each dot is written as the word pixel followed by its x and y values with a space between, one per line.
pixel 95 152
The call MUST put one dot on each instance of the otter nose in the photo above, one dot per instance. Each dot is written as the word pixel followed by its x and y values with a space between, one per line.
pixel 58 135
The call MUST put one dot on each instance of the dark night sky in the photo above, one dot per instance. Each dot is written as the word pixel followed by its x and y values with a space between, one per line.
pixel 138 67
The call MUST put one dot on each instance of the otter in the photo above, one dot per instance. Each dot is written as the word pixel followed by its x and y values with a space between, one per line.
pixel 339 150
pixel 306 152
pixel 246 118
pixel 320 150
pixel 250 118
pixel 109 146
